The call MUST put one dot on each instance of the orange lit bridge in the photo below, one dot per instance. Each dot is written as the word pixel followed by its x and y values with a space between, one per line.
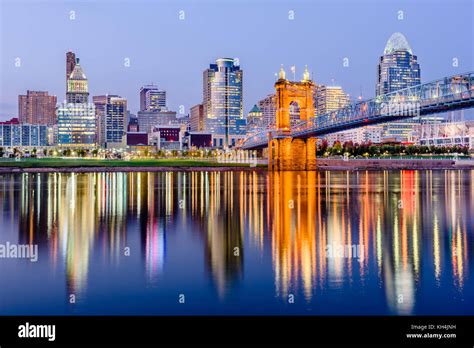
pixel 293 147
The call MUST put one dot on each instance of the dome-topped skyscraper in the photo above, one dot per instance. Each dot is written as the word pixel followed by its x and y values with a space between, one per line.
pixel 397 42
pixel 398 67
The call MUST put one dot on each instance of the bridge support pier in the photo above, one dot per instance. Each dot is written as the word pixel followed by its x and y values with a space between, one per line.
pixel 292 154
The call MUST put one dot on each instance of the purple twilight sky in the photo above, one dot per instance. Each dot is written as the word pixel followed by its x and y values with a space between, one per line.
pixel 172 51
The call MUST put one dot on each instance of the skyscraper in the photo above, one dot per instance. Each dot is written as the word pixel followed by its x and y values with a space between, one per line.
pixel 329 98
pixel 76 117
pixel 111 119
pixel 222 102
pixel 152 98
pixel 77 86
pixel 70 64
pixel 196 118
pixel 37 107
pixel 398 68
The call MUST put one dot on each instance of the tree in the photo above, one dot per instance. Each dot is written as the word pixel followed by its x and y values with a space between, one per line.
pixel 337 148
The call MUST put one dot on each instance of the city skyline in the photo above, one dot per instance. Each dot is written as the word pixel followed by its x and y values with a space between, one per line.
pixel 110 74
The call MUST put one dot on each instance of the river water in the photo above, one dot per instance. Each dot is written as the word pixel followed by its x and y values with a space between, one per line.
pixel 239 243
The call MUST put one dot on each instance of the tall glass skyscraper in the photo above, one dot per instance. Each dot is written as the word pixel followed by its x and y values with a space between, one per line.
pixel 111 117
pixel 398 68
pixel 223 103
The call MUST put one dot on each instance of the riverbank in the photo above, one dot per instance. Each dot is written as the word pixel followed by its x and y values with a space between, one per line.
pixel 51 165
pixel 187 165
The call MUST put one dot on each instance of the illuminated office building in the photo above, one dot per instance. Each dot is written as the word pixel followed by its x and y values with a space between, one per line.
pixel 37 107
pixel 152 98
pixel 76 117
pixel 398 68
pixel 255 120
pixel 267 107
pixel 16 134
pixel 76 124
pixel 147 120
pixel 111 118
pixel 329 98
pixel 222 102
pixel 196 119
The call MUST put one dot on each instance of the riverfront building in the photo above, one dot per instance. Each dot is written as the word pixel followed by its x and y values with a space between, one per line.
pixel 13 134
pixel 111 118
pixel 398 68
pixel 196 118
pixel 255 120
pixel 362 135
pixel 76 117
pixel 267 107
pixel 37 107
pixel 76 124
pixel 147 120
pixel 223 102
pixel 448 134
pixel 329 98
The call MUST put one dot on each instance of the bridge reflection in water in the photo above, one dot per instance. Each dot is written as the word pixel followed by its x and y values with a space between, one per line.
pixel 385 237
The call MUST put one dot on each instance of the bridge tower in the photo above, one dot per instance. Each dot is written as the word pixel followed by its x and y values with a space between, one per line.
pixel 285 152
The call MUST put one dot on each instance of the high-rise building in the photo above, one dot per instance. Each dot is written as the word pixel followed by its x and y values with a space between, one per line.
pixel 196 119
pixel 398 68
pixel 223 103
pixel 37 107
pixel 70 64
pixel 329 98
pixel 147 120
pixel 111 120
pixel 152 98
pixel 76 125
pixel 14 134
pixel 76 117
pixel 267 107
pixel 77 86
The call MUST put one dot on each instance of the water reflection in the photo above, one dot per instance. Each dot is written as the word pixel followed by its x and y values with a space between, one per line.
pixel 326 233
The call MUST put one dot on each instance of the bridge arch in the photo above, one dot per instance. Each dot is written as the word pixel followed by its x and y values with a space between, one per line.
pixel 291 92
